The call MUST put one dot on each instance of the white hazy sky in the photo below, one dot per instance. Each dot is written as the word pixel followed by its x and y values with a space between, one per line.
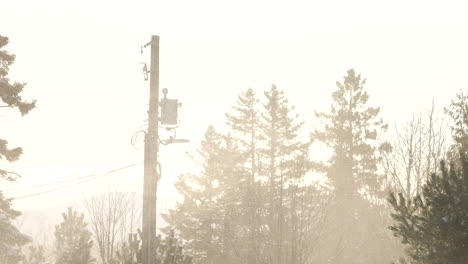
pixel 81 61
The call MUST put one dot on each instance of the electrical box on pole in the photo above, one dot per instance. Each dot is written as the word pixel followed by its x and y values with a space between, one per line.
pixel 169 109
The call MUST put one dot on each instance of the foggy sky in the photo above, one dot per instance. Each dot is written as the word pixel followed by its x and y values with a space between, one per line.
pixel 81 61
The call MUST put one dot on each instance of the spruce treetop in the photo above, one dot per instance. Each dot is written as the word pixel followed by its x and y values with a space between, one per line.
pixel 351 130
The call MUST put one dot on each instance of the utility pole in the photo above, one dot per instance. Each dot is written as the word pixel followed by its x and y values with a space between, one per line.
pixel 151 177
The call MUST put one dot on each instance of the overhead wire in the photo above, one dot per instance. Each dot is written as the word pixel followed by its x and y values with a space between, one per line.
pixel 64 181
pixel 53 183
pixel 16 167
pixel 84 179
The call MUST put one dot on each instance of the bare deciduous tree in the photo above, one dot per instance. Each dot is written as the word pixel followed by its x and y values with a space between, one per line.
pixel 111 218
pixel 415 152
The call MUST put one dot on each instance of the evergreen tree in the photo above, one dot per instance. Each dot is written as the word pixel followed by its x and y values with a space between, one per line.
pixel 244 125
pixel 130 252
pixel 233 204
pixel 170 250
pixel 206 217
pixel 249 204
pixel 35 256
pixel 10 238
pixel 434 223
pixel 10 97
pixel 73 240
pixel 282 152
pixel 458 111
pixel 351 130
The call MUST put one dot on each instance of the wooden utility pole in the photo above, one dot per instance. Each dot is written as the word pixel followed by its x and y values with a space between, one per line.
pixel 151 177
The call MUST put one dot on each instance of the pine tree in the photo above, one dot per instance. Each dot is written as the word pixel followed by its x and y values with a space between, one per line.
pixel 278 206
pixel 434 224
pixel 73 240
pixel 249 204
pixel 35 255
pixel 10 97
pixel 170 250
pixel 351 130
pixel 281 149
pixel 244 124
pixel 10 238
pixel 209 207
pixel 458 111
pixel 233 204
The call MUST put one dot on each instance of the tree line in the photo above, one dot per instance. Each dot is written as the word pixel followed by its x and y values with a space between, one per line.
pixel 255 199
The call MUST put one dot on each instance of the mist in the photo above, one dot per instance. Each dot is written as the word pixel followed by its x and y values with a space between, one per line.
pixel 250 132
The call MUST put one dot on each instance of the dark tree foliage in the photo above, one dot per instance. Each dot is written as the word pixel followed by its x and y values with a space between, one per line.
pixel 434 224
pixel 73 240
pixel 169 250
pixel 458 111
pixel 10 97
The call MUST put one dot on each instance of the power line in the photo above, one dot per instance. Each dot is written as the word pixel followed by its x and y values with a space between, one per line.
pixel 53 183
pixel 50 183
pixel 86 179
pixel 16 167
